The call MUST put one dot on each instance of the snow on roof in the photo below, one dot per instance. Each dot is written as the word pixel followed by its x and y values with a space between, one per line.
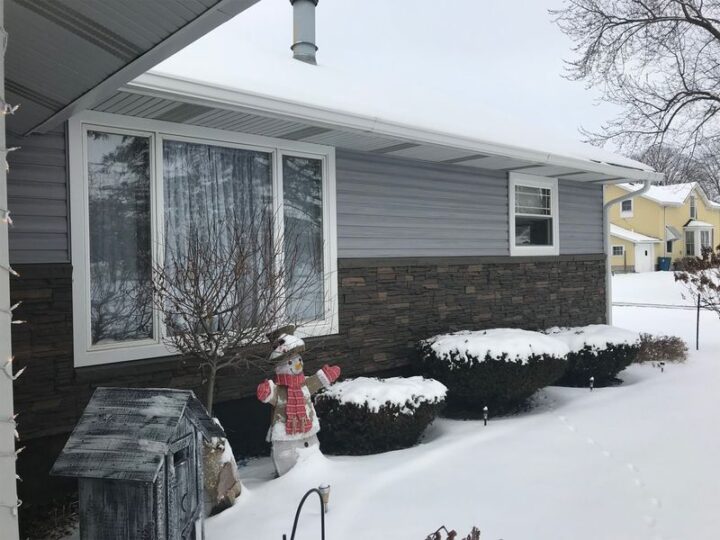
pixel 696 223
pixel 631 236
pixel 674 194
pixel 345 85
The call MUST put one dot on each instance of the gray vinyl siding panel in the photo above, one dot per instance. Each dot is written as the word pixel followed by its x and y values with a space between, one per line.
pixel 38 198
pixel 395 207
pixel 581 218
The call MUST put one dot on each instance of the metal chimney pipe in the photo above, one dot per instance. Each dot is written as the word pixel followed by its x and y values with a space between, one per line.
pixel 303 46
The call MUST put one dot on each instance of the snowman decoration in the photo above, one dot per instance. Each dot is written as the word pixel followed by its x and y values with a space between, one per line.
pixel 294 423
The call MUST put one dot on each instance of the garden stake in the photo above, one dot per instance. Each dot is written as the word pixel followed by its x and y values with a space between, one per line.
pixel 592 383
pixel 485 415
pixel 297 514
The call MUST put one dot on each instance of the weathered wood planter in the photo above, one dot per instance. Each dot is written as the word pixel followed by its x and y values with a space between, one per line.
pixel 138 456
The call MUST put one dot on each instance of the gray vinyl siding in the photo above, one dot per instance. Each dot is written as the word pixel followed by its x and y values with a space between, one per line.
pixel 581 218
pixel 386 207
pixel 38 198
pixel 395 207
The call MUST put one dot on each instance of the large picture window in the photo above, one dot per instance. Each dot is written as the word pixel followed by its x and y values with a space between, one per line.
pixel 140 187
pixel 533 215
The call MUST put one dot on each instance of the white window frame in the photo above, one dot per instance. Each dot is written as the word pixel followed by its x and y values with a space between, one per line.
pixel 622 251
pixel 693 207
pixel 520 179
pixel 627 213
pixel 86 354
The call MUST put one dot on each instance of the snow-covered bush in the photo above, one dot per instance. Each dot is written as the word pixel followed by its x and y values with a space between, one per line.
pixel 369 415
pixel 598 351
pixel 499 368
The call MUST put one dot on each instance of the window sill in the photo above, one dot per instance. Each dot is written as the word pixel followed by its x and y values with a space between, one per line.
pixel 534 251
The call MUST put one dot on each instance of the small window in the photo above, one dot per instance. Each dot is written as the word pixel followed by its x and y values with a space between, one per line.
pixel 669 246
pixel 705 239
pixel 618 251
pixel 690 243
pixel 181 456
pixel 533 215
pixel 626 208
pixel 693 207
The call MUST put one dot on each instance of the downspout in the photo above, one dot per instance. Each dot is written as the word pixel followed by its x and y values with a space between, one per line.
pixel 608 255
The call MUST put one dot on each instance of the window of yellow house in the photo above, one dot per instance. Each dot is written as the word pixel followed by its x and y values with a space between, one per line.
pixel 693 207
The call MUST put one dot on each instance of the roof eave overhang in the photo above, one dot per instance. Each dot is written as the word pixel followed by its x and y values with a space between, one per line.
pixel 221 12
pixel 171 87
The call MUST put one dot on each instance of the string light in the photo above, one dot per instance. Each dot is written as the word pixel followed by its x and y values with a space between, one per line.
pixel 5 217
pixel 13 507
pixel 6 109
pixel 9 270
pixel 8 370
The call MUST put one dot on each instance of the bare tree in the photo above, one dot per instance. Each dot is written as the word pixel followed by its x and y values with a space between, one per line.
pixel 701 277
pixel 658 59
pixel 222 289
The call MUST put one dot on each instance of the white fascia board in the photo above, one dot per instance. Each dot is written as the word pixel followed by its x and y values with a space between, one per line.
pixel 171 87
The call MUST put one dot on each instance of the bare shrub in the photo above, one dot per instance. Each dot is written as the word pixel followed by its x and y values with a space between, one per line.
pixel 661 349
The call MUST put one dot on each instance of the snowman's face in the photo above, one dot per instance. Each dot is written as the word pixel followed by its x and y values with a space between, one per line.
pixel 291 366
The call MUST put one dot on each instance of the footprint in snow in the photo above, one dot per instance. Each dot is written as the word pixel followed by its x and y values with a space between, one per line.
pixel 655 502
pixel 632 467
pixel 649 521
pixel 590 441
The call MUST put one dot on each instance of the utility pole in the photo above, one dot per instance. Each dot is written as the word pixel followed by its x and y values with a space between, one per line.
pixel 8 486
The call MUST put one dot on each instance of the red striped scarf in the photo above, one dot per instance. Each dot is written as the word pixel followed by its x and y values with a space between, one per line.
pixel 297 420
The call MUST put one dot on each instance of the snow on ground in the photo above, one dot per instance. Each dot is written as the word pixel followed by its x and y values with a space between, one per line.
pixel 405 392
pixel 633 462
pixel 650 288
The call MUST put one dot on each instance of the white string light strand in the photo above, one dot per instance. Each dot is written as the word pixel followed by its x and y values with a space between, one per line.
pixel 6 109
pixel 9 270
pixel 8 370
pixel 13 507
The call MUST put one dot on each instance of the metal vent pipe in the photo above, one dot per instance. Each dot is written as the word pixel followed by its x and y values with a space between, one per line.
pixel 304 47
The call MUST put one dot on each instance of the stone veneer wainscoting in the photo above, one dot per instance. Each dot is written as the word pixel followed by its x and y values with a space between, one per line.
pixel 385 307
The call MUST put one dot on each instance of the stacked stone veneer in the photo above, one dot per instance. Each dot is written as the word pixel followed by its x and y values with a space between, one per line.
pixel 385 307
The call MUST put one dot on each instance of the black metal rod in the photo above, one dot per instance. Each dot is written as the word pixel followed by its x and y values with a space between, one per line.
pixel 697 327
pixel 299 509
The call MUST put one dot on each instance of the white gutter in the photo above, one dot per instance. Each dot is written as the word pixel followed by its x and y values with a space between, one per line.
pixel 190 91
pixel 608 255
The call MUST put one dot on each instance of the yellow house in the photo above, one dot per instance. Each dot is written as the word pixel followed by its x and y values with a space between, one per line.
pixel 668 221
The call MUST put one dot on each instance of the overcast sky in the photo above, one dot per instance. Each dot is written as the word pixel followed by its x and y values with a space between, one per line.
pixel 505 54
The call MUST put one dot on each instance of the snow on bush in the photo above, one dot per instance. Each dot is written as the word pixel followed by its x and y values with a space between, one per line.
pixel 510 344
pixel 499 368
pixel 598 350
pixel 405 393
pixel 369 415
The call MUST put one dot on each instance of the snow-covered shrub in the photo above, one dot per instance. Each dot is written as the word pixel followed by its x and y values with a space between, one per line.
pixel 661 349
pixel 499 368
pixel 369 415
pixel 598 351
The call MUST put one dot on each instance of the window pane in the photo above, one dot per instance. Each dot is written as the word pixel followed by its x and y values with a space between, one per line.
pixel 532 200
pixel 218 217
pixel 533 231
pixel 689 243
pixel 705 239
pixel 626 206
pixel 302 187
pixel 120 237
pixel 618 250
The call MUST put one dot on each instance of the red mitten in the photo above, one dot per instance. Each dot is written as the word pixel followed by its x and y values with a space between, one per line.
pixel 263 390
pixel 331 372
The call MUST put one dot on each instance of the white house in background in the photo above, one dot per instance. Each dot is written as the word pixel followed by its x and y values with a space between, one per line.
pixel 633 249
